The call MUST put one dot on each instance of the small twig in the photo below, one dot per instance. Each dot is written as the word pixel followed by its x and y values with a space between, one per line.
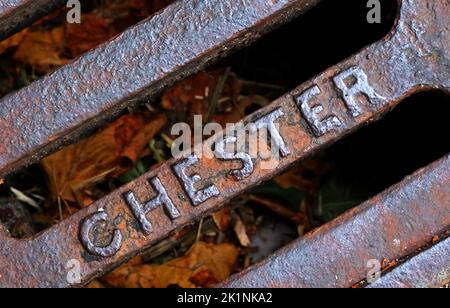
pixel 60 209
pixel 168 140
pixel 199 232
pixel 25 199
pixel 173 242
pixel 36 196
pixel 279 209
pixel 150 107
pixel 240 231
pixel 214 99
pixel 262 85
pixel 67 206
pixel 94 179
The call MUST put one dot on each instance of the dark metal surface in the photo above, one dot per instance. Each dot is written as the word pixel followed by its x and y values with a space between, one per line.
pixel 430 269
pixel 17 14
pixel 134 65
pixel 392 225
pixel 415 57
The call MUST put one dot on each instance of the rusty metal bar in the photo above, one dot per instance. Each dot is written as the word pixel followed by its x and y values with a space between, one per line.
pixel 413 58
pixel 430 269
pixel 17 14
pixel 138 63
pixel 391 226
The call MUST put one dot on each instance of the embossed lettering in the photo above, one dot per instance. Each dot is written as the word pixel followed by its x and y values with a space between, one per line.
pixel 140 211
pixel 268 122
pixel 222 153
pixel 197 196
pixel 353 83
pixel 85 232
pixel 319 125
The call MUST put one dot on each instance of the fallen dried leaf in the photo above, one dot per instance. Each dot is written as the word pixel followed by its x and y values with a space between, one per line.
pixel 241 232
pixel 193 95
pixel 95 285
pixel 204 279
pixel 295 177
pixel 222 219
pixel 109 153
pixel 279 209
pixel 13 41
pixel 42 49
pixel 24 198
pixel 237 111
pixel 203 265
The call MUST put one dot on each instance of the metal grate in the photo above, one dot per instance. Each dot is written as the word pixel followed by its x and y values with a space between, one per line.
pixel 60 107
pixel 17 14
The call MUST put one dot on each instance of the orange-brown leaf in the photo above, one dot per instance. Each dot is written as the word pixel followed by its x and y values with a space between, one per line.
pixel 295 177
pixel 241 232
pixel 95 285
pixel 108 153
pixel 204 279
pixel 202 266
pixel 42 49
pixel 222 219
pixel 193 94
pixel 13 41
pixel 235 112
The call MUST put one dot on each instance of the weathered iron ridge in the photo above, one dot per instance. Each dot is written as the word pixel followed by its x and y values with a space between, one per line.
pixel 415 57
